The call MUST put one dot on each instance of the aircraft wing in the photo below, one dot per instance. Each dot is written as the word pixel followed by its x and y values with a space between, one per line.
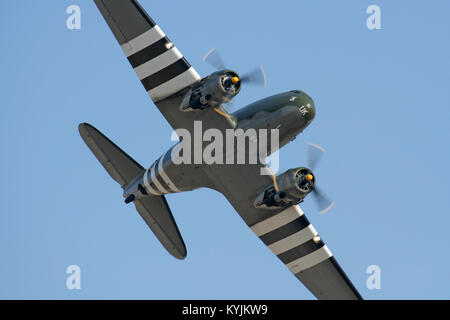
pixel 288 234
pixel 291 237
pixel 163 71
pixel 161 68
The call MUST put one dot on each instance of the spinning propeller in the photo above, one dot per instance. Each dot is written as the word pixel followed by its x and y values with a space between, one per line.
pixel 315 153
pixel 255 77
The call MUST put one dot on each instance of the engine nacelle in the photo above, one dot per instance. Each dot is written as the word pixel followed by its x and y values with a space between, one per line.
pixel 216 89
pixel 293 186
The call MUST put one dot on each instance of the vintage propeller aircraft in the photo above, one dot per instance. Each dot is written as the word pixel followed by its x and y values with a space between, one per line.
pixel 267 203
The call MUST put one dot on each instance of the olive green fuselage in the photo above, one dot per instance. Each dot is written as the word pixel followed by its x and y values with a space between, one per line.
pixel 290 112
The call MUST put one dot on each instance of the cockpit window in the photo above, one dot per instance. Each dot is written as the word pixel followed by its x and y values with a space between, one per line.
pixel 301 92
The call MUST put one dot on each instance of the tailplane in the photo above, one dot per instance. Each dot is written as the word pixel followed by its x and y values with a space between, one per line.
pixel 122 168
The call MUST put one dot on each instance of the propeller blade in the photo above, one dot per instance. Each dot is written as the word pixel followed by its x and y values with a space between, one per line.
pixel 256 77
pixel 213 58
pixel 228 107
pixel 315 153
pixel 323 202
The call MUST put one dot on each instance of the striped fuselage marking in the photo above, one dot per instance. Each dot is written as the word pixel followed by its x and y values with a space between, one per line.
pixel 164 176
pixel 147 185
pixel 156 180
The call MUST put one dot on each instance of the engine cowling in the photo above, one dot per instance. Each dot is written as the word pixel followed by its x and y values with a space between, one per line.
pixel 216 89
pixel 291 188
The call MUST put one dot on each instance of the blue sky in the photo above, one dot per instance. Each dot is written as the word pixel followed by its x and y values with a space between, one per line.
pixel 383 111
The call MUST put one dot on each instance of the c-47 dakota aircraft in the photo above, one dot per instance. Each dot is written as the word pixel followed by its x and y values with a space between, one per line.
pixel 267 203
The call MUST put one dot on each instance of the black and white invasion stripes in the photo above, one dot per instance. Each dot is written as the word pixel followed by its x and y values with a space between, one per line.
pixel 159 65
pixel 156 181
pixel 293 239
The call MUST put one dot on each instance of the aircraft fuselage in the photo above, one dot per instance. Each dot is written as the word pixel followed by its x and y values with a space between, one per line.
pixel 288 113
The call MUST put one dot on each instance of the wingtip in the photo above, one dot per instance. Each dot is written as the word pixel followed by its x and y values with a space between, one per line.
pixel 179 254
pixel 82 126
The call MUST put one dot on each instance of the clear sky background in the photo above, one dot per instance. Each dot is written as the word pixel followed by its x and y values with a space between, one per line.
pixel 383 112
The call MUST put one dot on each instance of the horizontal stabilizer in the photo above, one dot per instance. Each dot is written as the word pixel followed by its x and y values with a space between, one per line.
pixel 156 213
pixel 122 168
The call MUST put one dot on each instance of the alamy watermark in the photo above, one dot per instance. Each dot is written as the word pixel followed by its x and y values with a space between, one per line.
pixel 73 22
pixel 374 280
pixel 239 146
pixel 73 281
pixel 373 22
